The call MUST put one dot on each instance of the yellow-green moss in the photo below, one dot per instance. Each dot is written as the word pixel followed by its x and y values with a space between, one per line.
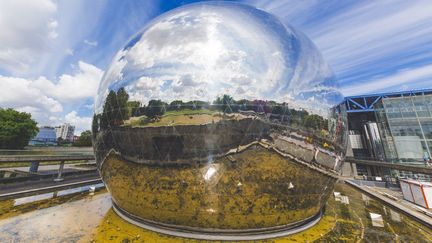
pixel 84 218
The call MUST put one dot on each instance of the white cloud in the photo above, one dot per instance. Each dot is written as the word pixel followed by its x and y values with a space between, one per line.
pixel 27 28
pixel 81 85
pixel 52 102
pixel 396 81
pixel 374 30
pixel 91 43
pixel 81 123
pixel 361 39
pixel 21 93
pixel 69 51
pixel 146 83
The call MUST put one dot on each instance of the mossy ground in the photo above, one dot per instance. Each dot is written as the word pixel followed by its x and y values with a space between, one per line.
pixel 340 223
pixel 89 218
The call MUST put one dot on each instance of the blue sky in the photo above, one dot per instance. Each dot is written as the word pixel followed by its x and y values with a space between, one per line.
pixel 53 56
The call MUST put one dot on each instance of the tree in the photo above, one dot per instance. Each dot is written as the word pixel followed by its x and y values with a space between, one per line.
pixel 133 108
pixel 298 116
pixel 16 129
pixel 314 121
pixel 280 109
pixel 122 104
pixel 258 105
pixel 243 104
pixel 62 142
pixel 115 109
pixel 84 140
pixel 155 108
pixel 95 124
pixel 176 105
pixel 225 103
pixel 109 110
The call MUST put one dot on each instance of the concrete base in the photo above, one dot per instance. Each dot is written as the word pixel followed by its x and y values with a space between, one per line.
pixel 349 169
pixel 218 234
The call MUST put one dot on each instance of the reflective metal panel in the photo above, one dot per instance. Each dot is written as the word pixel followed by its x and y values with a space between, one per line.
pixel 218 116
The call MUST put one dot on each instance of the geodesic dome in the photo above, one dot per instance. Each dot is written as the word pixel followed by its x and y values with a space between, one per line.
pixel 218 118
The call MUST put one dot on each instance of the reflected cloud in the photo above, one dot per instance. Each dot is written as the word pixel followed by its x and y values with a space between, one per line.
pixel 221 50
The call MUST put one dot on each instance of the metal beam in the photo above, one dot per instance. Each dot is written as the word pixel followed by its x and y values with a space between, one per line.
pixel 53 188
pixel 356 103
pixel 40 158
pixel 397 166
pixel 349 100
pixel 394 94
pixel 364 110
pixel 375 101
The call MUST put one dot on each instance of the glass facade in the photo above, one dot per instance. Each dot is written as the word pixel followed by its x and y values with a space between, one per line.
pixel 45 136
pixel 406 126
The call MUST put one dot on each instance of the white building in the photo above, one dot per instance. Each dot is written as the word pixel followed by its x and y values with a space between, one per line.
pixel 65 131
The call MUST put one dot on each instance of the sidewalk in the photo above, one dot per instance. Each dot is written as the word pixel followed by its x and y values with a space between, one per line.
pixel 398 194
pixel 395 199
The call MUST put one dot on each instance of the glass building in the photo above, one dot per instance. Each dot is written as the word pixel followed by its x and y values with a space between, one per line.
pixel 391 127
pixel 45 137
pixel 406 124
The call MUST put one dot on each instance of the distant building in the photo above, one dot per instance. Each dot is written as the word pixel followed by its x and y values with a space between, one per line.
pixel 66 132
pixel 390 127
pixel 45 137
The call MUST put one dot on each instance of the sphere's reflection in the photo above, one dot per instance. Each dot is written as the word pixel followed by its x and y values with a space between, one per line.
pixel 217 116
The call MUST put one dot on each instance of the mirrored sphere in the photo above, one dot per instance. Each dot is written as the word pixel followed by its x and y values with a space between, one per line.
pixel 217 117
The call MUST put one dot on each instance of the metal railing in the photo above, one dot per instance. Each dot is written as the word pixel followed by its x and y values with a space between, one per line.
pixel 34 160
pixel 417 168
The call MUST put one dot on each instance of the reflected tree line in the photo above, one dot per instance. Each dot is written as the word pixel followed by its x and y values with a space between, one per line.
pixel 117 109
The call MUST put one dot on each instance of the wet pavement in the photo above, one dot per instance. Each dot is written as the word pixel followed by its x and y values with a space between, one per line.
pixel 78 215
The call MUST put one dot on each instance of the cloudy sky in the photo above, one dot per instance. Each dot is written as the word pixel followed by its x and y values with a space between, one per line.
pixel 54 54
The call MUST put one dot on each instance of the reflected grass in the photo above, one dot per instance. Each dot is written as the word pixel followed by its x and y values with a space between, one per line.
pixel 181 117
pixel 253 189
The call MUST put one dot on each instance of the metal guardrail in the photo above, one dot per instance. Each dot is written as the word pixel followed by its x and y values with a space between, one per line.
pixel 42 158
pixel 39 190
pixel 422 169
pixel 36 159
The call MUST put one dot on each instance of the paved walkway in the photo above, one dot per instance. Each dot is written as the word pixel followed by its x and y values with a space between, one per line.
pixel 395 199
pixel 398 194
